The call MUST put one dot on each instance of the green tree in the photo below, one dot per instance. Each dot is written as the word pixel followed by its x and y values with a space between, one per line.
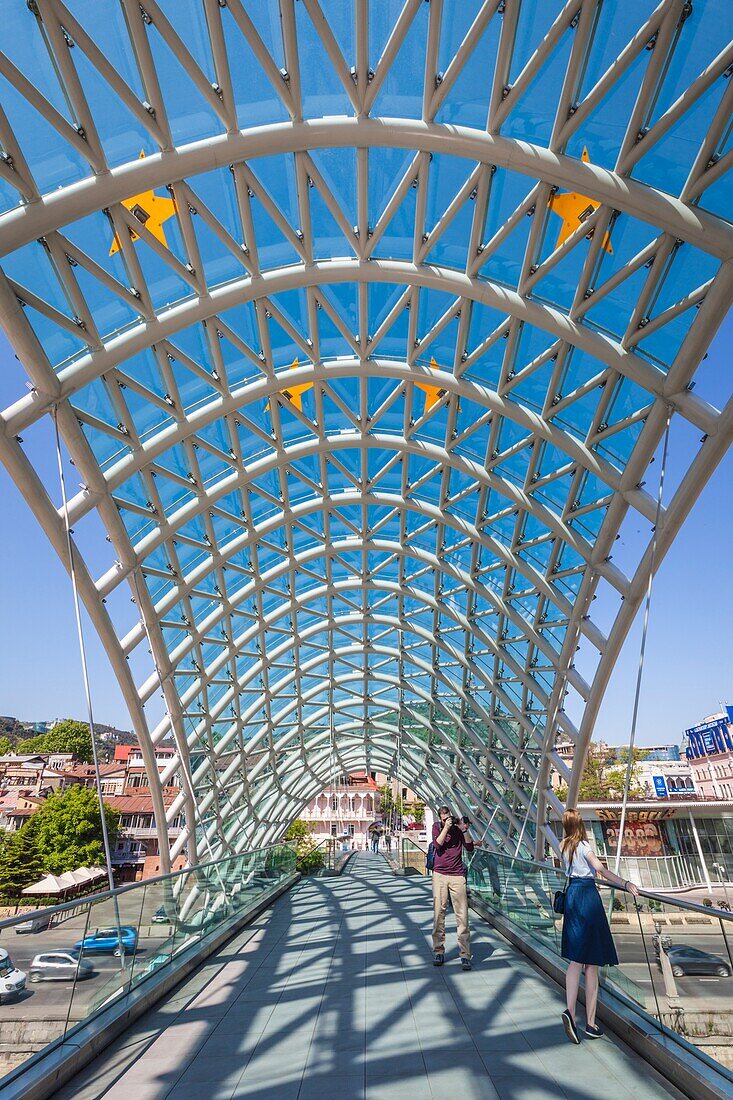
pixel 391 806
pixel 297 830
pixel 6 746
pixel 418 812
pixel 66 736
pixel 20 864
pixel 308 856
pixel 67 830
pixel 603 778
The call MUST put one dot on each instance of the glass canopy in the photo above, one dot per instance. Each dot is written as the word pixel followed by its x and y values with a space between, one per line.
pixel 362 323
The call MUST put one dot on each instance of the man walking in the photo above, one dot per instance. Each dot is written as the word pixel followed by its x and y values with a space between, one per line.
pixel 450 837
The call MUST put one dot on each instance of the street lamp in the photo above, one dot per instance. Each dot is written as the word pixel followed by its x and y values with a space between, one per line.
pixel 723 876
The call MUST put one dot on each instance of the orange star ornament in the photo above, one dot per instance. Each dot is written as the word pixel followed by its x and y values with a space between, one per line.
pixel 151 210
pixel 433 394
pixel 574 209
pixel 294 393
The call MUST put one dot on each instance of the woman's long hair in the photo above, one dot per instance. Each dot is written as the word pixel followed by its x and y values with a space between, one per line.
pixel 574 830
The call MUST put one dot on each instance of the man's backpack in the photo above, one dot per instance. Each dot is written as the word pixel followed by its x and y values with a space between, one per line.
pixel 430 858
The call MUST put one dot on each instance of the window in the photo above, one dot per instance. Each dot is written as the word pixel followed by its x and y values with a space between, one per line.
pixel 352 804
pixel 334 828
pixel 334 802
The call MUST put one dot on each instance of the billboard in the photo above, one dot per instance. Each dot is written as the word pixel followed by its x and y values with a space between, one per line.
pixel 660 786
pixel 641 838
pixel 709 738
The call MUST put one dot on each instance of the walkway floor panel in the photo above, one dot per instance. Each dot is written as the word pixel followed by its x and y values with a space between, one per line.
pixel 332 995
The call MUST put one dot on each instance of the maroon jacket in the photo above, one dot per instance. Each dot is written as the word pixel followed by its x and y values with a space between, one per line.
pixel 449 856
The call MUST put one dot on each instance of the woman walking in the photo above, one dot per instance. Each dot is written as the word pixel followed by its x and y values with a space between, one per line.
pixel 587 942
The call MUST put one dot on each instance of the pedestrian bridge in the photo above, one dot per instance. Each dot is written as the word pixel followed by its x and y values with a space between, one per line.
pixel 331 992
pixel 347 345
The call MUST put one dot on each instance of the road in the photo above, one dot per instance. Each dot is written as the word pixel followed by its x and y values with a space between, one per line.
pixel 52 1000
pixel 691 988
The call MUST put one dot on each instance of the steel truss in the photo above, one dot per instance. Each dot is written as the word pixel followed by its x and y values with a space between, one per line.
pixel 346 563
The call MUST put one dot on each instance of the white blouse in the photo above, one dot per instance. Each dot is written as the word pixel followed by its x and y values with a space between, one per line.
pixel 580 867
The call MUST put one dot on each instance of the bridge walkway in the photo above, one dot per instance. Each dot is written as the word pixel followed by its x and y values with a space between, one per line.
pixel 332 995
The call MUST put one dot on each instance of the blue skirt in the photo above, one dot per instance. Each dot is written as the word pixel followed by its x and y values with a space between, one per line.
pixel 586 937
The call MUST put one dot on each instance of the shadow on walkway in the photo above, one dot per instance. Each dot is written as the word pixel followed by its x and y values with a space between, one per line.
pixel 332 995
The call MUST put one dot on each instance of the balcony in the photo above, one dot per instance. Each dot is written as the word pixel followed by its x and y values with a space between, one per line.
pixel 339 815
pixel 150 833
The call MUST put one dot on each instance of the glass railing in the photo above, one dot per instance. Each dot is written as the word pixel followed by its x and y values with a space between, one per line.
pixel 412 855
pixel 675 957
pixel 61 965
pixel 334 853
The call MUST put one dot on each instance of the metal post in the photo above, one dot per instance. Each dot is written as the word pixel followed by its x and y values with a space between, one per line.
pixel 642 650
pixel 700 851
pixel 87 689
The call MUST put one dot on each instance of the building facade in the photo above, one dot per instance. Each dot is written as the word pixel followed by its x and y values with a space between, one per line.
pixel 345 810
pixel 709 752
pixel 26 781
pixel 348 807
pixel 670 843
pixel 666 778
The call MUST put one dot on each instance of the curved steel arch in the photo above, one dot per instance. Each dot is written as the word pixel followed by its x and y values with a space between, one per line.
pixel 336 272
pixel 620 192
pixel 184 557
pixel 263 389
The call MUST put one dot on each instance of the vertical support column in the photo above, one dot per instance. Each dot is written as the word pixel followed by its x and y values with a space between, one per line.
pixel 700 851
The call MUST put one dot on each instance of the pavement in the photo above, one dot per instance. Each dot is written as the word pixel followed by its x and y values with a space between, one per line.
pixel 331 995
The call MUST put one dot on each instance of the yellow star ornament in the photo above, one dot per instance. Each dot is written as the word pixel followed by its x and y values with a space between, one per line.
pixel 574 209
pixel 294 393
pixel 151 210
pixel 433 394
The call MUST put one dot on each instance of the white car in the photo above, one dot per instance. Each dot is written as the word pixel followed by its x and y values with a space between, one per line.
pixel 58 966
pixel 12 980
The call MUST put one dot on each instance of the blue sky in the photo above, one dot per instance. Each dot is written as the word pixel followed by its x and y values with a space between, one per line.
pixel 688 653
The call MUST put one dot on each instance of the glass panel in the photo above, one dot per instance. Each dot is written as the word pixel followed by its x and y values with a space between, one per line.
pixel 64 965
pixel 675 959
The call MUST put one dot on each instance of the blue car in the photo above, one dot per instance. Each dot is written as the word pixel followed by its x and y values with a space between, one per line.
pixel 106 941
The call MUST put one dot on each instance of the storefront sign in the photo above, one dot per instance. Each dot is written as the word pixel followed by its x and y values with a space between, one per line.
pixel 660 786
pixel 635 815
pixel 641 838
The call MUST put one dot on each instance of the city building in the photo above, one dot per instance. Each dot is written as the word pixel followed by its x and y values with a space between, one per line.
pixel 136 855
pixel 666 778
pixel 135 774
pixel 37 772
pixel 16 806
pixel 709 751
pixel 345 809
pixel 112 777
pixel 661 752
pixel 669 843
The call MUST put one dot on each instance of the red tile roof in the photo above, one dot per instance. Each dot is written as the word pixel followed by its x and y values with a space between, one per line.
pixel 136 803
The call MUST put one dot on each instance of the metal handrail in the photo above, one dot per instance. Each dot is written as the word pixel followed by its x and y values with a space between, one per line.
pixel 681 903
pixel 102 895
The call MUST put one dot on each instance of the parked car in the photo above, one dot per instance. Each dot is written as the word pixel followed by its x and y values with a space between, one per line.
pixel 33 924
pixel 161 917
pixel 691 960
pixel 12 980
pixel 56 966
pixel 106 941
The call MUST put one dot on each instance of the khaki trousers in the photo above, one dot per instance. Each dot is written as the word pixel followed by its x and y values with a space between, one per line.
pixel 455 886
